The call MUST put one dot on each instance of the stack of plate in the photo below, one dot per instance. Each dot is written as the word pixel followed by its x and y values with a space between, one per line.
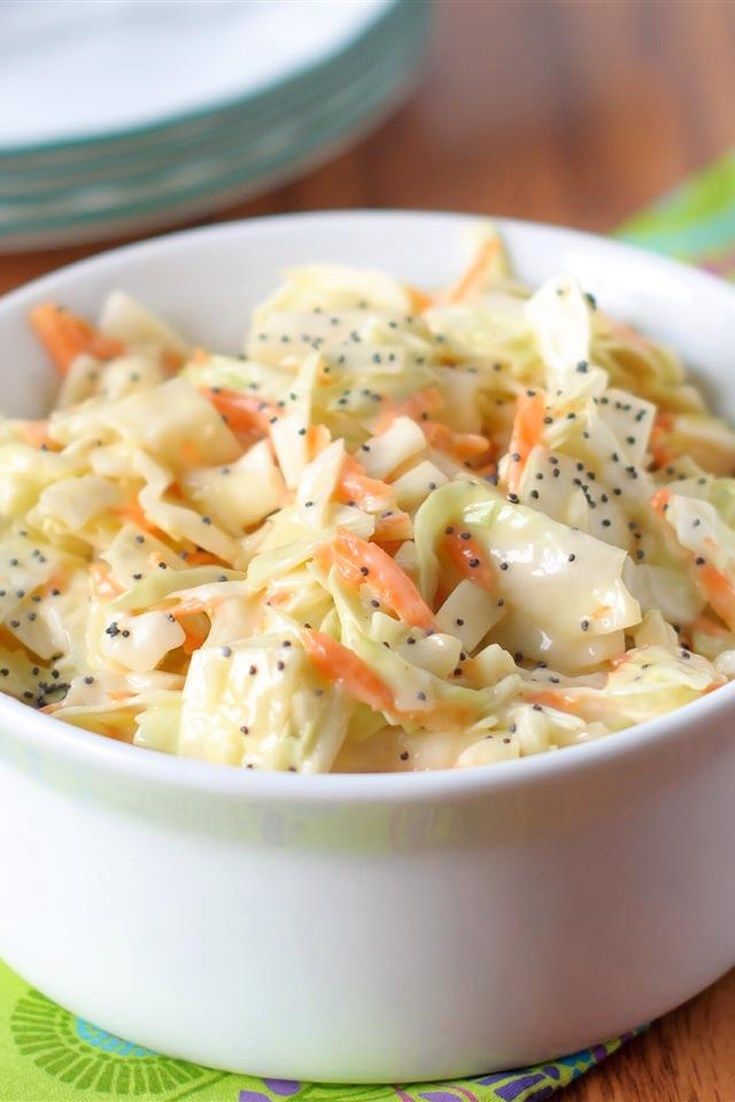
pixel 118 115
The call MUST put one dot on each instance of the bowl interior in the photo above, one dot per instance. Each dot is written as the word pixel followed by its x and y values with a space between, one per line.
pixel 207 281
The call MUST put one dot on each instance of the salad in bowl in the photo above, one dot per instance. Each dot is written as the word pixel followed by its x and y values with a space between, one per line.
pixel 405 529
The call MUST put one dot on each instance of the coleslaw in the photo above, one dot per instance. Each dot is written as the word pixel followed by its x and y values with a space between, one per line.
pixel 402 530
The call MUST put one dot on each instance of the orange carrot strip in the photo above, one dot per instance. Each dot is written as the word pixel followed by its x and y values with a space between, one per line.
pixel 707 626
pixel 36 434
pixel 525 434
pixel 419 299
pixel 65 336
pixel 719 591
pixel 171 361
pixel 475 277
pixel 343 666
pixel 133 512
pixel 470 560
pixel 244 412
pixel 201 558
pixel 660 500
pixel 461 445
pixel 555 698
pixel 395 525
pixel 356 486
pixel 361 562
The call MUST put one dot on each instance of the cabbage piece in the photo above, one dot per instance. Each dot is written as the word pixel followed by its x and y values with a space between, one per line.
pixel 177 521
pixel 70 505
pixel 699 528
pixel 469 612
pixel 381 455
pixel 668 588
pixel 318 484
pixel 538 730
pixel 172 422
pixel 157 726
pixel 25 564
pixel 437 651
pixel 51 622
pixel 116 719
pixel 570 493
pixel 648 683
pixel 333 287
pixel 159 585
pixel 559 315
pixel 128 321
pixel 25 679
pixel 261 703
pixel 289 434
pixel 566 601
pixel 240 374
pixel 133 553
pixel 25 472
pixel 237 495
pixel 129 375
pixel 141 642
pixel 706 440
pixel 413 487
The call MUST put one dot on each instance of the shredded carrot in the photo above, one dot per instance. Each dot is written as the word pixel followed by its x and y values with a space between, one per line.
pixel 318 438
pixel 191 454
pixel 65 336
pixel 714 585
pixel 361 562
pixel 343 666
pixel 660 500
pixel 36 434
pixel 719 590
pixel 133 512
pixel 419 299
pixel 200 356
pixel 201 558
pixel 663 454
pixel 460 445
pixel 244 412
pixel 194 637
pixel 394 525
pixel 171 361
pixel 555 698
pixel 470 560
pixel 475 277
pixel 355 485
pixel 418 406
pixel 707 626
pixel 527 429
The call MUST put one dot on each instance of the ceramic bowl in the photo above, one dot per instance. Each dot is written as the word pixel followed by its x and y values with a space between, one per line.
pixel 374 927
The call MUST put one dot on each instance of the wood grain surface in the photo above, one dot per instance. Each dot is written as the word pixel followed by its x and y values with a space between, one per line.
pixel 570 111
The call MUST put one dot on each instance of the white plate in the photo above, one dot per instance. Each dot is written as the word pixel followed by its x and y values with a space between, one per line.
pixel 73 70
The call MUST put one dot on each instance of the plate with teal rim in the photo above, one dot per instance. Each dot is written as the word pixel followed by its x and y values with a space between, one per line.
pixel 78 74
pixel 239 153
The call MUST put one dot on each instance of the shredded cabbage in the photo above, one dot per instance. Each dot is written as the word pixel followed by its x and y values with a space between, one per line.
pixel 404 530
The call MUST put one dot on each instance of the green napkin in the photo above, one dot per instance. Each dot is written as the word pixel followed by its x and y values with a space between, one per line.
pixel 49 1055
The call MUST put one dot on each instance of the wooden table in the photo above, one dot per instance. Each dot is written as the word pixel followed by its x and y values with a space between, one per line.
pixel 576 112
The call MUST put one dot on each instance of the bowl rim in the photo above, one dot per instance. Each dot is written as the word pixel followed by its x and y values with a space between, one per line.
pixel 89 750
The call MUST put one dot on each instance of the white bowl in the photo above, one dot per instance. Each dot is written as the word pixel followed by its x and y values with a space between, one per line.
pixel 376 927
